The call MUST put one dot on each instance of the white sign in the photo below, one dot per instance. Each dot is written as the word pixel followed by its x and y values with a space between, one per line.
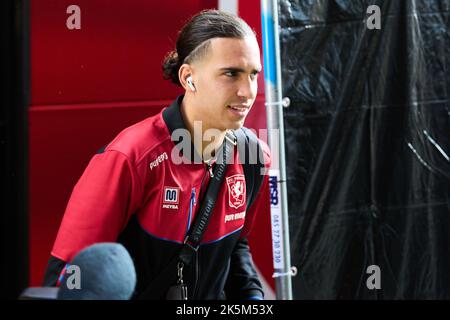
pixel 275 213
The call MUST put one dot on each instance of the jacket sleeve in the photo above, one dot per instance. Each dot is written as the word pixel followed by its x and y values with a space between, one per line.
pixel 243 282
pixel 99 208
pixel 54 271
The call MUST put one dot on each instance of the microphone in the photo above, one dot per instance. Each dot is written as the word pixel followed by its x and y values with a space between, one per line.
pixel 106 272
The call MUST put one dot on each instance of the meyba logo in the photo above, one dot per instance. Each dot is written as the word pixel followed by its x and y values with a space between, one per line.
pixel 171 196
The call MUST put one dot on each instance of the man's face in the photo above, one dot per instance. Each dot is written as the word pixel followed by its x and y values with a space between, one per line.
pixel 226 82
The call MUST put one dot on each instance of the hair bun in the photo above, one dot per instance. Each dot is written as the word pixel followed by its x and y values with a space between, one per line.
pixel 170 67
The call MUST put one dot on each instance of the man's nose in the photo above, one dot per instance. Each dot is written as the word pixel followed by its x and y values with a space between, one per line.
pixel 247 88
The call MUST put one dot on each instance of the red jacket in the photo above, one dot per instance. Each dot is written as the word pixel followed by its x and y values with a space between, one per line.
pixel 131 192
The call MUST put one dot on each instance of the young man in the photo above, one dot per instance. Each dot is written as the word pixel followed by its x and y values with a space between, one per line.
pixel 138 193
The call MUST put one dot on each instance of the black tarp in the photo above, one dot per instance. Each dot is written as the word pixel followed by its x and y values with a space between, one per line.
pixel 368 147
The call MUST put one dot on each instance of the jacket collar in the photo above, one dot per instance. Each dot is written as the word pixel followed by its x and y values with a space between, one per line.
pixel 172 115
pixel 174 120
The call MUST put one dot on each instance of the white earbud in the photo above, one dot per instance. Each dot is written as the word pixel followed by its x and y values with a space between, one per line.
pixel 190 84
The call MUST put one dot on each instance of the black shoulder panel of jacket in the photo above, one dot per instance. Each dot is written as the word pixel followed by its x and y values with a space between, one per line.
pixel 252 158
pixel 54 268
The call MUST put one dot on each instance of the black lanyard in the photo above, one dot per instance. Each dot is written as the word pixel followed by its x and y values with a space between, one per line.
pixel 188 251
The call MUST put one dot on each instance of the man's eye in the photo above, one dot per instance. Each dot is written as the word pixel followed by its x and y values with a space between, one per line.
pixel 231 73
pixel 254 75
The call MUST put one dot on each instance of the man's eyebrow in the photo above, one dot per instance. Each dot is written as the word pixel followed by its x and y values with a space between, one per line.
pixel 238 69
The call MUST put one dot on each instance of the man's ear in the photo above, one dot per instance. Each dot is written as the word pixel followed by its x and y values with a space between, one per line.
pixel 184 73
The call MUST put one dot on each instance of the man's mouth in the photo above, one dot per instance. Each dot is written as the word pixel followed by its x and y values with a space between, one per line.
pixel 239 108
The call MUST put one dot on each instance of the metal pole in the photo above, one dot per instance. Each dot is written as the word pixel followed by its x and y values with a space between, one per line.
pixel 275 125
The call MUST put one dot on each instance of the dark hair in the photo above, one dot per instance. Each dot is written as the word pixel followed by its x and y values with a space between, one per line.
pixel 192 41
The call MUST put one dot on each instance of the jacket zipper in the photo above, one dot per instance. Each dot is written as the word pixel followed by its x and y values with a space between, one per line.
pixel 191 206
pixel 202 185
pixel 209 169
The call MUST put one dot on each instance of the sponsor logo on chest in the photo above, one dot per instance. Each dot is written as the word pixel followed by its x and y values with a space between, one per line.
pixel 234 216
pixel 159 159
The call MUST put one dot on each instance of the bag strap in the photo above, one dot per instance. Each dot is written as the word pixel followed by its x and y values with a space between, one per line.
pixel 191 243
pixel 252 159
pixel 198 228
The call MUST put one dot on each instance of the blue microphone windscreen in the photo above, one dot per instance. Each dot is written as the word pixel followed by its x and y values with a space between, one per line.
pixel 103 271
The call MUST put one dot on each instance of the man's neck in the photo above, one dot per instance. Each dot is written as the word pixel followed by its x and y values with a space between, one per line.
pixel 207 149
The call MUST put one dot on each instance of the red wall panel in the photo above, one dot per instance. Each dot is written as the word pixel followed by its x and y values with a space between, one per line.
pixel 115 56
